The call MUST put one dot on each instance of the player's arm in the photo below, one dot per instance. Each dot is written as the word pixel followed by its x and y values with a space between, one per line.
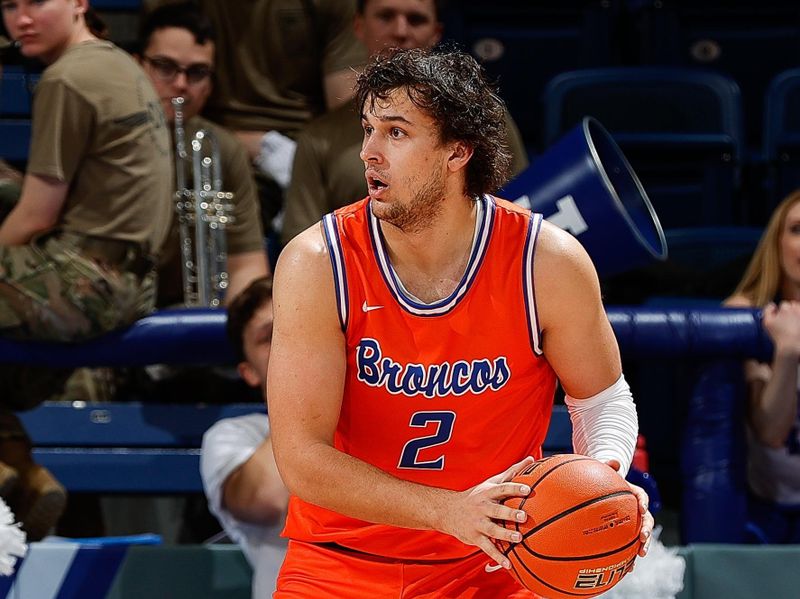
pixel 579 344
pixel 305 385
pixel 254 492
pixel 37 210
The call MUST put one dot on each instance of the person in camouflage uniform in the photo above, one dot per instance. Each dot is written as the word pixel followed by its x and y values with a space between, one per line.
pixel 77 250
pixel 56 290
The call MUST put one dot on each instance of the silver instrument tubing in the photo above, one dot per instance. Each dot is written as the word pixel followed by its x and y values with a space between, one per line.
pixel 203 212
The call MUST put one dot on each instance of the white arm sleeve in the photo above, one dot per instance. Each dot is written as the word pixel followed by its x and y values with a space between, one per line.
pixel 605 425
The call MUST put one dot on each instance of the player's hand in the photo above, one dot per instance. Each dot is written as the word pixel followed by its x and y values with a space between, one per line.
pixel 647 518
pixel 471 517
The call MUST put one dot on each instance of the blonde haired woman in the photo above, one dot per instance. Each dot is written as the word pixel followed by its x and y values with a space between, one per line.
pixel 772 282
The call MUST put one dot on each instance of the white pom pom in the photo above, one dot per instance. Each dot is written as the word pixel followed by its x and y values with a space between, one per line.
pixel 12 541
pixel 658 575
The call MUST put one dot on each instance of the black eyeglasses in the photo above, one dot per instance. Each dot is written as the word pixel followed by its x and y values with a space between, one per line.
pixel 167 70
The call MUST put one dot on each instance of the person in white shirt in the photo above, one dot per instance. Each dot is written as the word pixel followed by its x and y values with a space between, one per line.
pixel 240 478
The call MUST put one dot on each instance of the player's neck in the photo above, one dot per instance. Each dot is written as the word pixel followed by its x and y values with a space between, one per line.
pixel 431 262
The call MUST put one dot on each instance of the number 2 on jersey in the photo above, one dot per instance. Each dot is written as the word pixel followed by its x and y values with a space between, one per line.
pixel 409 458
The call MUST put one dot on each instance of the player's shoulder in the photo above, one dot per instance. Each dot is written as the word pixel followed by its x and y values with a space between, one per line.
pixel 304 249
pixel 562 269
pixel 560 248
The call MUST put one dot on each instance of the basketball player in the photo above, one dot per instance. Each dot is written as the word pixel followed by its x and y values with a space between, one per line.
pixel 418 337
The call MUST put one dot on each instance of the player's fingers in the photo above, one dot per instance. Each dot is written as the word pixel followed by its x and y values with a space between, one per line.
pixel 642 497
pixel 515 469
pixel 646 533
pixel 503 490
pixel 502 512
pixel 495 531
pixel 494 553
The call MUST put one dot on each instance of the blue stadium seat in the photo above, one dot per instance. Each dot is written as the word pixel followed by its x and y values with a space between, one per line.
pixel 16 97
pixel 711 248
pixel 681 129
pixel 15 136
pixel 748 41
pixel 16 94
pixel 782 135
pixel 524 43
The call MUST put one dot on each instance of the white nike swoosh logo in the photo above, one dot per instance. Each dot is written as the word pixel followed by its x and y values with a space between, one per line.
pixel 367 308
pixel 492 568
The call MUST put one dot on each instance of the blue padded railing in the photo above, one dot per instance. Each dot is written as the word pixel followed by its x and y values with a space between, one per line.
pixel 154 448
pixel 197 336
pixel 180 336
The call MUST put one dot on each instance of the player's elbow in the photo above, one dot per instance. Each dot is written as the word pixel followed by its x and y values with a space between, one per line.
pixel 298 470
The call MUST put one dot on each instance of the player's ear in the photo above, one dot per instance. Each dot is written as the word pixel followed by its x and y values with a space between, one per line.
pixel 459 156
pixel 248 374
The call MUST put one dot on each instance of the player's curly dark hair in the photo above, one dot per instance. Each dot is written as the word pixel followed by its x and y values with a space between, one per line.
pixel 451 87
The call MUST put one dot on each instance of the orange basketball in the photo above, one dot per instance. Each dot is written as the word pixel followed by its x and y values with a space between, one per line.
pixel 582 532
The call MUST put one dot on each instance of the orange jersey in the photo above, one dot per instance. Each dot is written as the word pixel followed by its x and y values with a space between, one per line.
pixel 444 394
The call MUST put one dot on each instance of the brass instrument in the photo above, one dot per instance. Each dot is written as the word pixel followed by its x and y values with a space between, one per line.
pixel 203 213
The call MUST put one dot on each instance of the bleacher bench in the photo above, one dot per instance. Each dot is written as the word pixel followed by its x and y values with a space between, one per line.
pixel 140 447
pixel 144 447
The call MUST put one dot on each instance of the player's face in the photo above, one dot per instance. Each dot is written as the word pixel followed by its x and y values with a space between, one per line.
pixel 257 342
pixel 398 24
pixel 405 162
pixel 43 28
pixel 790 246
pixel 178 66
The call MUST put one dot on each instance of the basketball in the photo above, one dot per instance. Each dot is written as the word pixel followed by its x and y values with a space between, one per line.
pixel 582 532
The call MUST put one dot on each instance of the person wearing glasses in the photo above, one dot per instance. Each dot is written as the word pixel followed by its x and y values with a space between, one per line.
pixel 279 63
pixel 177 48
pixel 77 251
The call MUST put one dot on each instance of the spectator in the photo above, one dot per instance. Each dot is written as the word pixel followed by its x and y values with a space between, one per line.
pixel 77 250
pixel 772 282
pixel 328 172
pixel 177 50
pixel 240 477
pixel 279 63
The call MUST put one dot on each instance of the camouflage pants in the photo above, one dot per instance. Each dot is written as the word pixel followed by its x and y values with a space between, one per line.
pixel 53 289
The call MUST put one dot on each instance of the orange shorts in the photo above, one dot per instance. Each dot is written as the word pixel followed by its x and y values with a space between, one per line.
pixel 313 571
